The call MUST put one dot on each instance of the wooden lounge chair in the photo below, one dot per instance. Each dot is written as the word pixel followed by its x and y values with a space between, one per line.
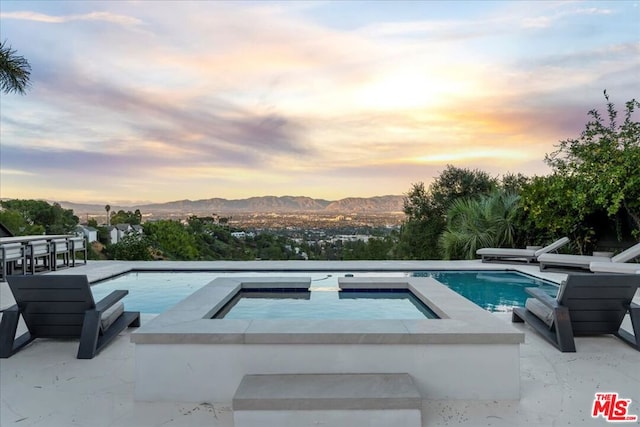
pixel 587 304
pixel 62 307
pixel 514 254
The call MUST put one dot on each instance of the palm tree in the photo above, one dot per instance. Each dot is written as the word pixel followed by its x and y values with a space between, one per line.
pixel 488 221
pixel 108 208
pixel 14 71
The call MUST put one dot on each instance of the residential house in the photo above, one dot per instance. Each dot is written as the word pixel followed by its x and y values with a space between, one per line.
pixel 4 231
pixel 118 231
pixel 89 233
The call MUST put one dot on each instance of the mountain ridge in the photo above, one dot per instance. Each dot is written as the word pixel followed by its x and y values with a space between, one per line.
pixel 258 204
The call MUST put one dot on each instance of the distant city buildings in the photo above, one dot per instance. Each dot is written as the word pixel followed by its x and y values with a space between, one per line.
pixel 243 235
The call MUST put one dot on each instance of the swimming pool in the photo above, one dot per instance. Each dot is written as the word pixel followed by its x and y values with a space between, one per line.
pixel 155 292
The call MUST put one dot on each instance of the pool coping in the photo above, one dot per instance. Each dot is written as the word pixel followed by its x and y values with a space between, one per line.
pixel 98 271
pixel 461 321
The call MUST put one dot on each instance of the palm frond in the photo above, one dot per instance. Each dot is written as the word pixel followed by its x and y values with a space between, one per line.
pixel 15 71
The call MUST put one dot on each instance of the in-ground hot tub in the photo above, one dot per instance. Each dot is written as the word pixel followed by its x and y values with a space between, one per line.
pixel 325 303
pixel 186 354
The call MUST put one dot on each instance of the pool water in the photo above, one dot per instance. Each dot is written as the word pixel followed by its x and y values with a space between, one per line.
pixel 155 292
pixel 491 290
pixel 326 304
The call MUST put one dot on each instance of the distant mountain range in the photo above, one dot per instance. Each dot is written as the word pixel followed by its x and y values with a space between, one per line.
pixel 283 204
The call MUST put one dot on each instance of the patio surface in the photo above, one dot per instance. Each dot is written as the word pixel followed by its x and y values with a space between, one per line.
pixel 45 385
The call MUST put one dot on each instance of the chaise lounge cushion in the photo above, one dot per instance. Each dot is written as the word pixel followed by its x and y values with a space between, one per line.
pixel 615 267
pixel 566 260
pixel 553 246
pixel 508 252
pixel 541 311
pixel 111 314
pixel 528 254
pixel 583 261
pixel 628 254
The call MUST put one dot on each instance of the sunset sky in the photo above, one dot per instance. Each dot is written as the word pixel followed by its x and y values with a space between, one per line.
pixel 149 101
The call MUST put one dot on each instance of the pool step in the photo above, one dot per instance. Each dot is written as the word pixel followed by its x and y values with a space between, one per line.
pixel 296 400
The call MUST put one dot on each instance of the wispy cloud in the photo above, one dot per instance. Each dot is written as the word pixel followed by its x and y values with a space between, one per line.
pixel 62 19
pixel 16 172
pixel 561 11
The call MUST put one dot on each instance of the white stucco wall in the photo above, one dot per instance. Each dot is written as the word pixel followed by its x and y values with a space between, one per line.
pixel 212 373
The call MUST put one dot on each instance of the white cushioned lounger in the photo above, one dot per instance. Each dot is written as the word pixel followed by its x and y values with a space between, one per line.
pixel 615 267
pixel 584 261
pixel 501 254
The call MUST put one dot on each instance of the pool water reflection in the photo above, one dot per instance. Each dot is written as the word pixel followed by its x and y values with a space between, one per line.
pixel 155 292
pixel 325 304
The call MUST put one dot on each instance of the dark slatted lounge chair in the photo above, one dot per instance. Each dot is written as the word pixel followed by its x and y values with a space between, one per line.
pixel 62 307
pixel 586 305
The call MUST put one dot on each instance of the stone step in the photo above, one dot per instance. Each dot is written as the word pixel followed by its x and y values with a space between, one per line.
pixel 328 399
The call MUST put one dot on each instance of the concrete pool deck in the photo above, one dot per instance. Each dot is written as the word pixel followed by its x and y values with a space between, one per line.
pixel 45 385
